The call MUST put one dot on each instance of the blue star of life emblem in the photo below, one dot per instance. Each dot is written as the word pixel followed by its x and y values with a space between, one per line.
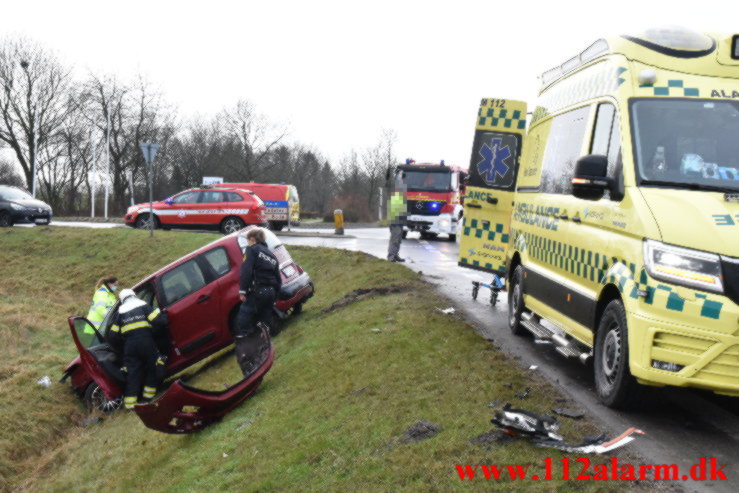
pixel 493 160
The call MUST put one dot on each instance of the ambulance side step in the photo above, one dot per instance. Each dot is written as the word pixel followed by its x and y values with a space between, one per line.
pixel 565 345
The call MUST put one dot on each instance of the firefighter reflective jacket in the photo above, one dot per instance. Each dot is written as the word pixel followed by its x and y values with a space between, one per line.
pixel 102 301
pixel 133 315
pixel 397 209
pixel 260 268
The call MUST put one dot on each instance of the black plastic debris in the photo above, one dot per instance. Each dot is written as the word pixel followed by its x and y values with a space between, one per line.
pixel 568 413
pixel 542 430
pixel 420 431
pixel 524 394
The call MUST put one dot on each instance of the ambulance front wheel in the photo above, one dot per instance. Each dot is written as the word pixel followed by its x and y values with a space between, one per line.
pixel 614 384
pixel 515 302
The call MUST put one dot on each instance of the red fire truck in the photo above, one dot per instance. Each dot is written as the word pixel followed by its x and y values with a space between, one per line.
pixel 434 197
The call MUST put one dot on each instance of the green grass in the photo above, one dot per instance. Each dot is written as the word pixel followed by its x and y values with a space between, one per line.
pixel 327 416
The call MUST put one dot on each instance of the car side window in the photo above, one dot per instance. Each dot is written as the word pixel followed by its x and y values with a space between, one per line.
pixel 211 197
pixel 186 198
pixel 218 261
pixel 563 149
pixel 233 197
pixel 181 281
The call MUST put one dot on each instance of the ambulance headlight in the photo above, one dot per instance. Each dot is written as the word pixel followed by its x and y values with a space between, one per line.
pixel 683 266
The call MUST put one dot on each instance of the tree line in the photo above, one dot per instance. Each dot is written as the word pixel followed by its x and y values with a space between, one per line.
pixel 59 125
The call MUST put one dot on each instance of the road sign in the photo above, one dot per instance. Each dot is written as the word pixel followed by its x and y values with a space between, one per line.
pixel 150 151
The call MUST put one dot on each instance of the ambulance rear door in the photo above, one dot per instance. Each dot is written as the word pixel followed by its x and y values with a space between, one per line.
pixel 499 132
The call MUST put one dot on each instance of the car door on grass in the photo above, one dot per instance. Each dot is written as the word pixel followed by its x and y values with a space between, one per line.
pixel 192 303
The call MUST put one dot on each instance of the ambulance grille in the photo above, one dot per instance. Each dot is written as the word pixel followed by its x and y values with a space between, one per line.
pixel 724 366
pixel 680 343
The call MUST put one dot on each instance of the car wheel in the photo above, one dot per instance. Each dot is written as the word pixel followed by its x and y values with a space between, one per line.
pixel 95 400
pixel 142 222
pixel 428 236
pixel 5 219
pixel 231 225
pixel 614 384
pixel 515 302
pixel 452 237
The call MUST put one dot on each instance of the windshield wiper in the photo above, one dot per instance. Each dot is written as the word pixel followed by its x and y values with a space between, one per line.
pixel 690 186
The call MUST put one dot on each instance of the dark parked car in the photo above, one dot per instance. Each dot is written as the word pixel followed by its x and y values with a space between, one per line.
pixel 200 295
pixel 18 206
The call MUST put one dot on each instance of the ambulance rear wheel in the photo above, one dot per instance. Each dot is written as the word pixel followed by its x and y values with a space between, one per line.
pixel 614 384
pixel 231 225
pixel 515 302
pixel 95 400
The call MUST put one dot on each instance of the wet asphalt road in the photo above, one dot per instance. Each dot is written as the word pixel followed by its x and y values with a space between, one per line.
pixel 681 425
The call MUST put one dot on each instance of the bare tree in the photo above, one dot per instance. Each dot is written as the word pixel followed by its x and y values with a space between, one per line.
pixel 9 174
pixel 256 137
pixel 33 101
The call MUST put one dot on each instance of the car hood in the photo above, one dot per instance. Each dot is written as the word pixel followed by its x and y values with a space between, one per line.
pixel 31 204
pixel 695 219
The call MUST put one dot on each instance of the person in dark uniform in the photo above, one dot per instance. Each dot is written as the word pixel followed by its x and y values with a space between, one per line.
pixel 258 288
pixel 136 322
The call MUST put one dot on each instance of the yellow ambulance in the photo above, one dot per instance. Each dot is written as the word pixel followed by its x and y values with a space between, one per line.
pixel 613 210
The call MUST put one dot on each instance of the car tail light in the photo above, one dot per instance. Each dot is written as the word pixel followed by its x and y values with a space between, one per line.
pixel 300 269
pixel 447 209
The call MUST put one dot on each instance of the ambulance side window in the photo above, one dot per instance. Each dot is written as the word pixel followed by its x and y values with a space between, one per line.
pixel 563 149
pixel 607 138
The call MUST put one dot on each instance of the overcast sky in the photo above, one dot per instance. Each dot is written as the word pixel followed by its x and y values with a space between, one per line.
pixel 338 72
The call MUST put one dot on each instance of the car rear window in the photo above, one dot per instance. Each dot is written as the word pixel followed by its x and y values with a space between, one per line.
pixel 218 261
pixel 181 281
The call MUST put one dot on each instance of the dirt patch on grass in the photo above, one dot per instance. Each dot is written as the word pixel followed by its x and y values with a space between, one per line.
pixel 360 294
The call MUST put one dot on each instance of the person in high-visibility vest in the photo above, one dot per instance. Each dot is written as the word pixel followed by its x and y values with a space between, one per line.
pixel 397 213
pixel 102 301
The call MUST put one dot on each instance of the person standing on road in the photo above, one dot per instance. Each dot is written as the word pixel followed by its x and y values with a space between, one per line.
pixel 258 288
pixel 397 213
pixel 102 301
pixel 136 322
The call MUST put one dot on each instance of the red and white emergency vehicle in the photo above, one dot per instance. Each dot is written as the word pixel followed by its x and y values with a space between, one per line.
pixel 228 210
pixel 434 197
pixel 280 199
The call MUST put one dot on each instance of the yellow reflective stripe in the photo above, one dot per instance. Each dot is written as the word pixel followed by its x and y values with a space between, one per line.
pixel 115 328
pixel 135 325
pixel 129 402
pixel 149 389
pixel 153 314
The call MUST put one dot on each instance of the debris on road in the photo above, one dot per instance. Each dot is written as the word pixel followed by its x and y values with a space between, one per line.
pixel 568 413
pixel 542 430
pixel 446 311
pixel 44 381
pixel 420 431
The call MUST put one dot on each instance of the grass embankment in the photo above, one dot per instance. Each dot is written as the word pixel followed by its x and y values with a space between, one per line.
pixel 345 385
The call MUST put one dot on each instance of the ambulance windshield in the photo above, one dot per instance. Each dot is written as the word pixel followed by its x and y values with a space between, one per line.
pixel 428 181
pixel 690 143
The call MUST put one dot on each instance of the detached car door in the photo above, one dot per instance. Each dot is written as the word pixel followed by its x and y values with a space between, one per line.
pixel 192 302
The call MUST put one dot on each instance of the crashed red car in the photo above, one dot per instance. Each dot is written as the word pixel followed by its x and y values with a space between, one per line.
pixel 201 297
